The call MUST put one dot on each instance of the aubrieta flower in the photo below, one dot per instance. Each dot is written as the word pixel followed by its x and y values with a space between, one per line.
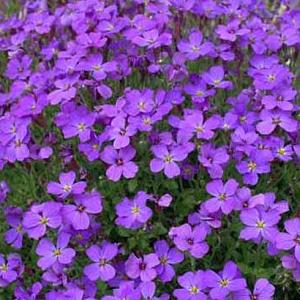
pixel 14 235
pixel 166 159
pixel 4 190
pixel 51 254
pixel 10 269
pixel 215 77
pixel 31 293
pixel 227 282
pixel 101 257
pixel 142 267
pixel 291 239
pixel 66 186
pixel 271 120
pixel 260 224
pixel 120 162
pixel 120 133
pixel 224 196
pixel 194 47
pixel 193 286
pixel 126 290
pixel 133 213
pixel 190 239
pixel 167 257
pixel 41 216
pixel 213 159
pixel 263 290
pixel 84 205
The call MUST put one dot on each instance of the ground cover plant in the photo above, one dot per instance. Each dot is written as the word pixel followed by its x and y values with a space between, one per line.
pixel 149 150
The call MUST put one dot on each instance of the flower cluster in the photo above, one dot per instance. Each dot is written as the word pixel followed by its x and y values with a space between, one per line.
pixel 141 149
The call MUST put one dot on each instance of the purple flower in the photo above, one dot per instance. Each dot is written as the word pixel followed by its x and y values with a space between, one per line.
pixel 143 268
pixel 167 257
pixel 30 294
pixel 213 159
pixel 40 217
pixel 66 185
pixel 193 286
pixel 14 236
pixel 194 47
pixel 226 282
pixel 85 204
pixel 95 64
pixel 125 290
pixel 198 91
pixel 133 213
pixel 280 98
pixel 263 290
pixel 224 196
pixel 17 149
pixel 65 91
pixel 153 39
pixel 120 162
pixel 231 31
pixel 260 224
pixel 271 120
pixel 101 257
pixel 10 269
pixel 51 254
pixel 254 165
pixel 215 77
pixel 79 124
pixel 291 239
pixel 190 239
pixel 166 159
pixel 4 190
pixel 194 124
pixel 120 133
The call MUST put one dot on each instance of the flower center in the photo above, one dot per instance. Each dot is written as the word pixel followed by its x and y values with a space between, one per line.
pixel 217 82
pixel 168 158
pixel 271 77
pixel 81 127
pixel 19 228
pixel 199 93
pixel 143 266
pixel 251 166
pixel 43 220
pixel 119 162
pixel 163 260
pixel 281 151
pixel 297 240
pixel 224 283
pixel 97 67
pixel 195 48
pixel 243 119
pixel 135 210
pixel 141 105
pixel 147 121
pixel 81 208
pixel 190 241
pixel 199 129
pixel 194 290
pixel 260 224
pixel 102 262
pixel 57 252
pixel 4 267
pixel 18 143
pixel 122 132
pixel 276 121
pixel 67 188
pixel 222 196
